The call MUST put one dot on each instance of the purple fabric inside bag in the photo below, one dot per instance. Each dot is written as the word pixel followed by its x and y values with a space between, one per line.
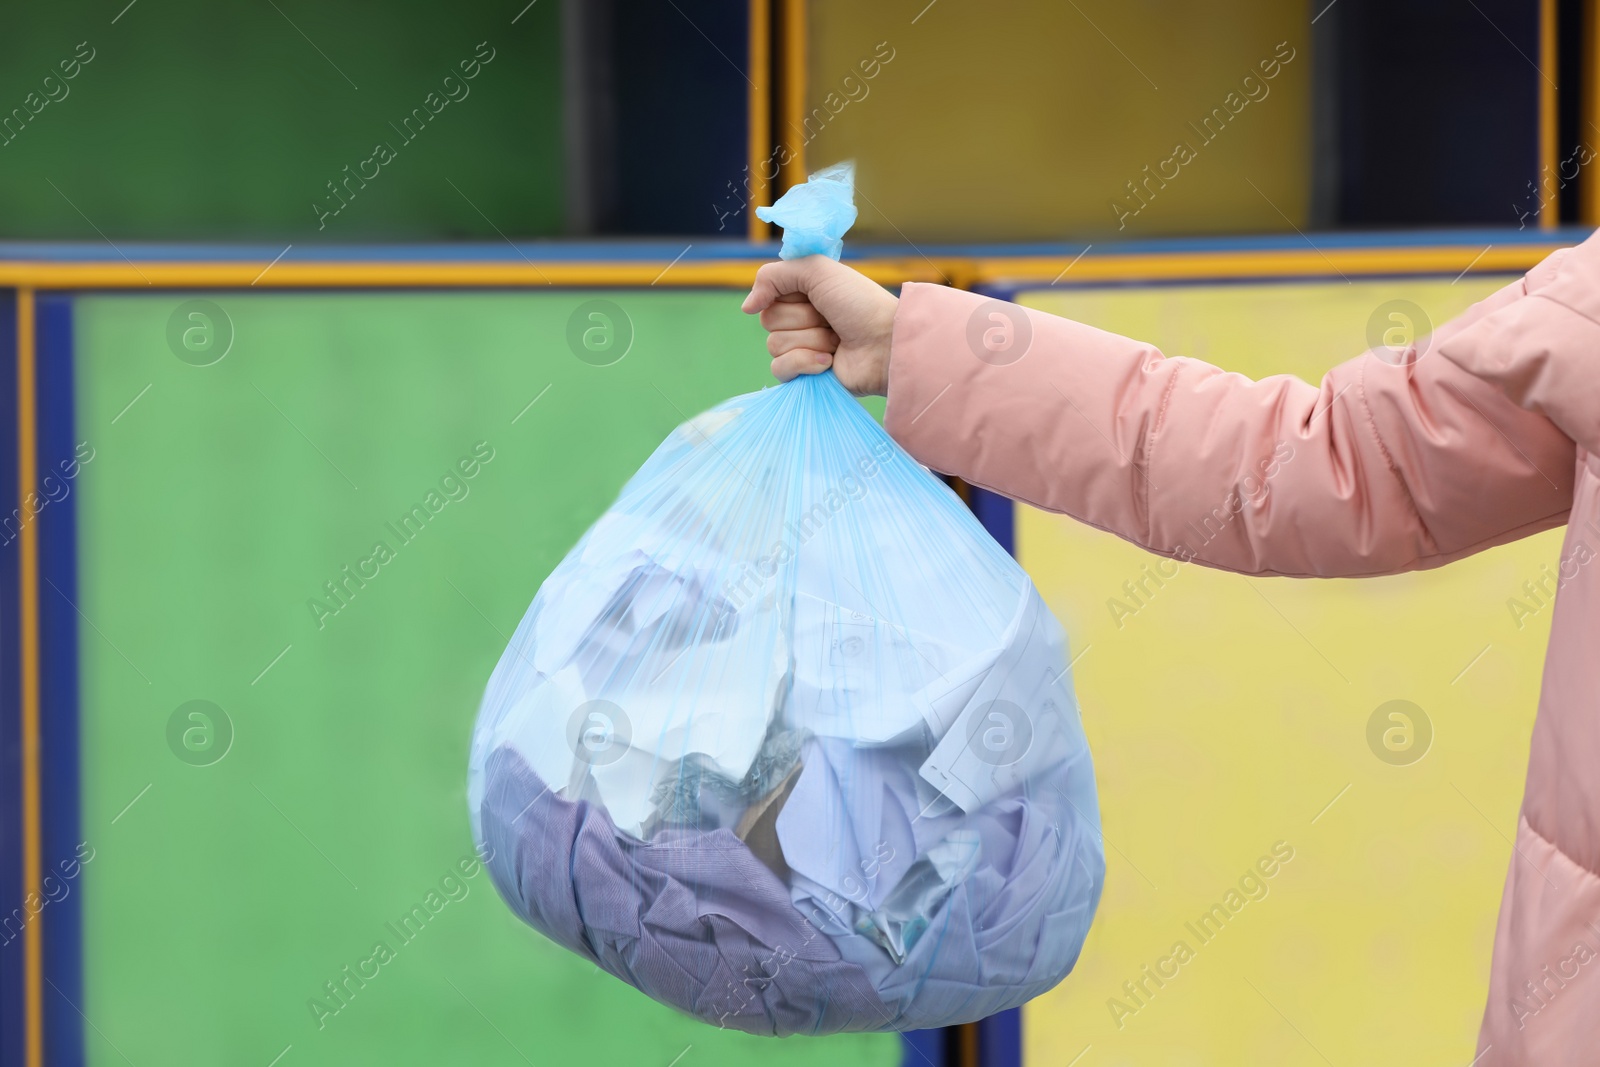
pixel 691 918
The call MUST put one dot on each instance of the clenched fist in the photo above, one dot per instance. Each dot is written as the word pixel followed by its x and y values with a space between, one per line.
pixel 820 313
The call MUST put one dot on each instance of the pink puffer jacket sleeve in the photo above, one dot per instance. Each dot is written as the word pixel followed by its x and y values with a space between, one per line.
pixel 1383 468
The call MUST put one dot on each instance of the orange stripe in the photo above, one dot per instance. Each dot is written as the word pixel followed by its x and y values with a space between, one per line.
pixel 33 934
pixel 1201 266
pixel 967 1042
pixel 795 58
pixel 758 190
pixel 1550 211
pixel 961 270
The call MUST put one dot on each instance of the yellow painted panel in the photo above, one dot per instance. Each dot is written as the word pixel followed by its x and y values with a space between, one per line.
pixel 1228 714
pixel 1028 119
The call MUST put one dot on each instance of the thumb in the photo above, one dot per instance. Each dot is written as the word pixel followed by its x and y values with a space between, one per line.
pixel 780 279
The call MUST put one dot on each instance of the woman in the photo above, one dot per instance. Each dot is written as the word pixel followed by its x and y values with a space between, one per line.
pixel 1487 431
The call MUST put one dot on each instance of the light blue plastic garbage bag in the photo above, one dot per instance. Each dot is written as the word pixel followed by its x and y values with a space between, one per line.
pixel 787 741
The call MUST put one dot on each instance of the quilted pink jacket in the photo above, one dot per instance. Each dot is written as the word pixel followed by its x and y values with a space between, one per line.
pixel 1490 431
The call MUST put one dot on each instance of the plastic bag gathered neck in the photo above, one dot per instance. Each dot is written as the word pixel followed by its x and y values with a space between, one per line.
pixel 787 741
pixel 816 214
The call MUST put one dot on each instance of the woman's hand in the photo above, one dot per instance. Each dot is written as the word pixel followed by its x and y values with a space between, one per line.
pixel 819 314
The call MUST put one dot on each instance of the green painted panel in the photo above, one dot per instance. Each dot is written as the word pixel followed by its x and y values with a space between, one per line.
pixel 180 120
pixel 219 501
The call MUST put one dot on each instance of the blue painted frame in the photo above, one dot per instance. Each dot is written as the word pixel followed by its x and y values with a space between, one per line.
pixel 58 677
pixel 924 1048
pixel 12 976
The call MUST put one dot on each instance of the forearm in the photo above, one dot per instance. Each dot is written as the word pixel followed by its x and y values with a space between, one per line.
pixel 1382 468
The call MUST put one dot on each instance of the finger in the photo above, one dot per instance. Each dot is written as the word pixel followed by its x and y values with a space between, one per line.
pixel 816 339
pixel 783 277
pixel 792 312
pixel 791 365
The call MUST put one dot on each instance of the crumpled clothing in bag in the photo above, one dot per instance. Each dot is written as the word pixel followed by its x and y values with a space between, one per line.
pixel 787 741
pixel 690 918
